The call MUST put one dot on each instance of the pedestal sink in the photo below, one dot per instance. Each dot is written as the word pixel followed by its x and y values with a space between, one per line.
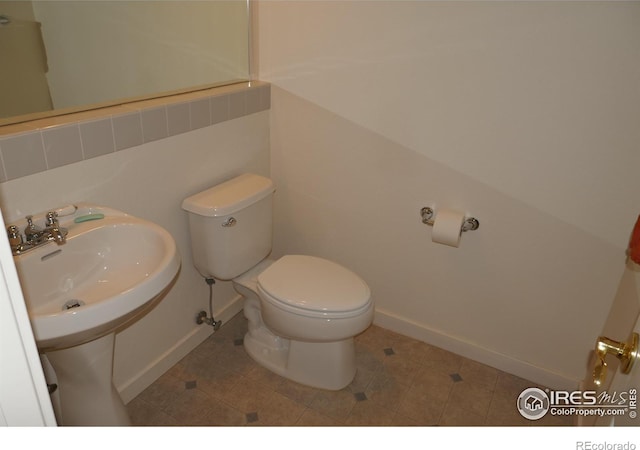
pixel 112 269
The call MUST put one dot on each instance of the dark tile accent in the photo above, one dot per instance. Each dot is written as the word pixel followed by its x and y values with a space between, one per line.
pixel 252 417
pixel 360 396
pixel 389 351
pixel 455 377
pixel 190 384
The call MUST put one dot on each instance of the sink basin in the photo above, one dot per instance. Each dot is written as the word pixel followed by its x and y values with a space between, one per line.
pixel 109 271
pixel 112 269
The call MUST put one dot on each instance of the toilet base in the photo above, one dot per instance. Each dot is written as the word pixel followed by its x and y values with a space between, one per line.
pixel 325 365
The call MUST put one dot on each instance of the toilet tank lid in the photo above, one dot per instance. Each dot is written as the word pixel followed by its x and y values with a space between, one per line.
pixel 229 197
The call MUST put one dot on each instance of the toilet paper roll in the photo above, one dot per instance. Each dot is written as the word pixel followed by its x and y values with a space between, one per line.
pixel 447 227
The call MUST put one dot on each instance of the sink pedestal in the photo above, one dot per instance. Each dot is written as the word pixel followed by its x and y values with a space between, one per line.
pixel 87 394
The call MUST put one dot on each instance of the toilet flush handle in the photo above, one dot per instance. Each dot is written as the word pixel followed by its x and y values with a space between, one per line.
pixel 231 221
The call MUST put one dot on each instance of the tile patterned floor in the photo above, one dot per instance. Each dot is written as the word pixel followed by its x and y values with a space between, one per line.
pixel 400 382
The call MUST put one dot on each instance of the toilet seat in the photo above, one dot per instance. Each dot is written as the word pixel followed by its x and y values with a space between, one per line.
pixel 315 287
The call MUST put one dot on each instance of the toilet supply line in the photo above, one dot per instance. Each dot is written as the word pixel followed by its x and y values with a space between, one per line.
pixel 202 315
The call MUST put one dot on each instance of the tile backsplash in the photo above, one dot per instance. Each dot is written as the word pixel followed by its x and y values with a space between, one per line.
pixel 39 145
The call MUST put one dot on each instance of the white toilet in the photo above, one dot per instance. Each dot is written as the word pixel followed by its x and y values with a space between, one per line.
pixel 303 311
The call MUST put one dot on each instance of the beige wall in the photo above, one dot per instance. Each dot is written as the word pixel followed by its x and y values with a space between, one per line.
pixel 523 114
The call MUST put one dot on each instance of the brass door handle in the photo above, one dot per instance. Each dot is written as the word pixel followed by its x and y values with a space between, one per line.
pixel 626 352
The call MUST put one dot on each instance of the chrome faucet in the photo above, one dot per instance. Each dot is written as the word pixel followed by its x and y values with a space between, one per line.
pixel 35 236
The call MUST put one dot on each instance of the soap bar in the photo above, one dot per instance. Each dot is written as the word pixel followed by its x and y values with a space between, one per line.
pixel 88 217
pixel 66 210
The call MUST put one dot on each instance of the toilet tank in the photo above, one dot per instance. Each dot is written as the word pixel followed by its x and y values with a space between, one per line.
pixel 231 226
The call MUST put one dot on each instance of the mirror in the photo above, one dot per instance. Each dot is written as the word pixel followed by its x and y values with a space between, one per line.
pixel 66 56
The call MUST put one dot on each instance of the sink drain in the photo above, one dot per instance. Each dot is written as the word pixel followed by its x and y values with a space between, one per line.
pixel 74 303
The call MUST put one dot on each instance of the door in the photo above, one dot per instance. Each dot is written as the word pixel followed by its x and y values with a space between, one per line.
pixel 617 388
pixel 630 384
pixel 24 399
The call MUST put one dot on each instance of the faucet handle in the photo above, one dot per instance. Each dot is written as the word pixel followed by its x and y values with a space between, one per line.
pixel 51 219
pixel 13 233
pixel 31 231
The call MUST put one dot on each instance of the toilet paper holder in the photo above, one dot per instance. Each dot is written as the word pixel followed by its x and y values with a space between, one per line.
pixel 470 223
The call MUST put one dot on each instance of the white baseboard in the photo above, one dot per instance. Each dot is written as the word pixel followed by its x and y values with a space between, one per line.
pixel 470 350
pixel 139 382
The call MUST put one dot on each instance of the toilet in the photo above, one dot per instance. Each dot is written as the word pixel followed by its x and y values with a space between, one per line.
pixel 303 311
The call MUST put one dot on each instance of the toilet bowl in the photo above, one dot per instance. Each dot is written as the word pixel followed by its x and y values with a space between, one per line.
pixel 313 299
pixel 303 311
pixel 299 332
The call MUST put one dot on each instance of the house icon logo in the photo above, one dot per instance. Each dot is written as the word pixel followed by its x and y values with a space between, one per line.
pixel 533 403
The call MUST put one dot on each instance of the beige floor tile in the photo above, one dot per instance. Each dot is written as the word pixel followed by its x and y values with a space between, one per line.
pixel 163 391
pixel 248 396
pixel 365 413
pixel 376 338
pixel 143 413
pixel 421 408
pixel 386 391
pixel 311 418
pixel 369 359
pixel 334 404
pixel 402 367
pixel 400 420
pixel 192 407
pixel 479 374
pixel 264 377
pixel 235 359
pixel 416 350
pixel 443 360
pixel 361 380
pixel 459 415
pixel 511 385
pixel 278 411
pixel 434 382
pixel 399 381
pixel 471 397
pixel 297 392
pixel 221 414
